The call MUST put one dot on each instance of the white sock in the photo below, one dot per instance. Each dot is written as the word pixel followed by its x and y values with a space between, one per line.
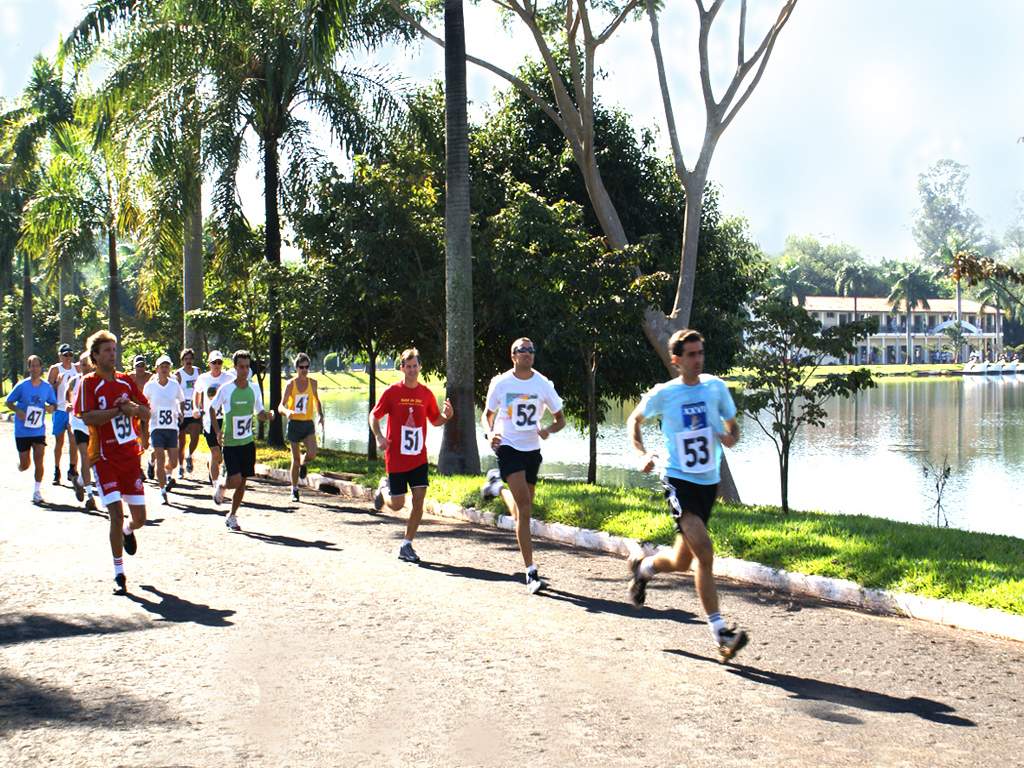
pixel 118 565
pixel 532 568
pixel 716 623
pixel 646 569
pixel 406 541
pixel 127 529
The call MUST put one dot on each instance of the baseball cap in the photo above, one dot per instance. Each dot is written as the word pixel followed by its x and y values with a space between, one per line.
pixel 162 359
pixel 139 360
pixel 215 355
pixel 65 349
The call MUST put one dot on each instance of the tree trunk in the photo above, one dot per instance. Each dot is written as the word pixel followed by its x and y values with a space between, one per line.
pixel 784 477
pixel 959 325
pixel 459 452
pixel 114 292
pixel 694 189
pixel 272 228
pixel 192 260
pixel 371 369
pixel 910 348
pixel 592 417
pixel 27 330
pixel 65 318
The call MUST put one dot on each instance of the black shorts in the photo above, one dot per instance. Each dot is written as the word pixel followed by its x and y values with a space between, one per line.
pixel 188 421
pixel 26 443
pixel 211 438
pixel 400 482
pixel 82 438
pixel 300 430
pixel 165 439
pixel 240 460
pixel 511 460
pixel 683 496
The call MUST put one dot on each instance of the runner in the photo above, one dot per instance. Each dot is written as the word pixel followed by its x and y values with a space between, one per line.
pixel 192 424
pixel 58 376
pixel 112 406
pixel 698 417
pixel 206 387
pixel 141 378
pixel 84 486
pixel 166 399
pixel 408 406
pixel 515 403
pixel 240 401
pixel 31 399
pixel 297 405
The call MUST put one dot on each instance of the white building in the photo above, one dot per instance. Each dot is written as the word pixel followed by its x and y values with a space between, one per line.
pixel 983 327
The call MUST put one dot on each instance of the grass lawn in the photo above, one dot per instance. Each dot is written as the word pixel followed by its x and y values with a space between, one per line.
pixel 977 568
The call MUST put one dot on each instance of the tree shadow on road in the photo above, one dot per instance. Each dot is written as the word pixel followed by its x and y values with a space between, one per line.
pixel 29 627
pixel 808 688
pixel 174 609
pixel 289 541
pixel 620 608
pixel 26 703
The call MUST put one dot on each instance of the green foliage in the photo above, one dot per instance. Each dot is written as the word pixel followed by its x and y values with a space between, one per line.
pixel 786 346
pixel 942 190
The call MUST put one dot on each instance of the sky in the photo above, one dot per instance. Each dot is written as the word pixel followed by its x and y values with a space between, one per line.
pixel 859 97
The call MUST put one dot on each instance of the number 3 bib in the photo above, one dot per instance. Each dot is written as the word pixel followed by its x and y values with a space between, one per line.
pixel 695 442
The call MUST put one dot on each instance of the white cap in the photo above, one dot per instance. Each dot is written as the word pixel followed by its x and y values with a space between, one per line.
pixel 163 359
pixel 215 355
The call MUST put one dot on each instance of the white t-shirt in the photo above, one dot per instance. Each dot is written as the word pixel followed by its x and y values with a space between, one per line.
pixel 64 377
pixel 518 405
pixel 208 384
pixel 164 403
pixel 76 422
pixel 188 385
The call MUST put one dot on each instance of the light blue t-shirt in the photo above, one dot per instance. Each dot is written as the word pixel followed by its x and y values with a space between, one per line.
pixel 33 401
pixel 691 421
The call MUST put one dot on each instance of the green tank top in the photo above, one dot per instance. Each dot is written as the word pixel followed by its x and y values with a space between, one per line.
pixel 239 416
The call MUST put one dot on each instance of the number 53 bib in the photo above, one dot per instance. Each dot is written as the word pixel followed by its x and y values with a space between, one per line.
pixel 695 442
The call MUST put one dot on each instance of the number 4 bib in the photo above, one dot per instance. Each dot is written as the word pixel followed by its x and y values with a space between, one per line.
pixel 695 443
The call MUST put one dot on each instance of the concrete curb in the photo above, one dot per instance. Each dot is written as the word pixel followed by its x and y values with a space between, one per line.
pixel 949 613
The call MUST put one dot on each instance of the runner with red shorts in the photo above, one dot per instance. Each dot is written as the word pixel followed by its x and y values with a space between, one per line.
pixel 113 408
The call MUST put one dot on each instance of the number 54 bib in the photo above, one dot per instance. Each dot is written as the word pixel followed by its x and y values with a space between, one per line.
pixel 695 442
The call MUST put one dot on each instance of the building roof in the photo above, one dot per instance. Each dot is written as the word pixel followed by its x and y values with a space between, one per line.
pixel 878 304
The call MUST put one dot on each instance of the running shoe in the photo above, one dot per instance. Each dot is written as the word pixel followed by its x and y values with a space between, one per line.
pixel 90 504
pixel 378 497
pixel 163 494
pixel 637 584
pixel 730 641
pixel 302 471
pixel 408 554
pixel 37 498
pixel 181 472
pixel 72 474
pixel 218 493
pixel 170 483
pixel 295 494
pixel 131 546
pixel 492 485
pixel 120 584
pixel 188 464
pixel 534 583
pixel 232 523
pixel 151 471
pixel 79 489
pixel 56 475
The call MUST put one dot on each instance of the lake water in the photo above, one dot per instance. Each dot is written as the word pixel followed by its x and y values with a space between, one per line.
pixel 868 459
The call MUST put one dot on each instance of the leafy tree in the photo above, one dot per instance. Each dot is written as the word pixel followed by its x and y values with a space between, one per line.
pixel 852 280
pixel 786 347
pixel 942 190
pixel 792 285
pixel 911 287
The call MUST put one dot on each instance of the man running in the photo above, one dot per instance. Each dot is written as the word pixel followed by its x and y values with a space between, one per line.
pixel 112 406
pixel 192 423
pixel 698 417
pixel 84 486
pixel 165 404
pixel 141 377
pixel 59 375
pixel 31 399
pixel 206 387
pixel 515 404
pixel 408 406
pixel 241 402
pixel 300 395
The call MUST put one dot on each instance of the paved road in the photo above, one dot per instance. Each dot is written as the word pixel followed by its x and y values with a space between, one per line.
pixel 304 641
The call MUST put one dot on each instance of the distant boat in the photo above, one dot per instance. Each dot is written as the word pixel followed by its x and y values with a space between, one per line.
pixel 992 369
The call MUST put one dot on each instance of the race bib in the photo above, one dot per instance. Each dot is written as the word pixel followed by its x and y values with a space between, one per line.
pixel 412 441
pixel 124 429
pixel 241 427
pixel 164 418
pixel 300 403
pixel 188 407
pixel 33 417
pixel 526 414
pixel 695 443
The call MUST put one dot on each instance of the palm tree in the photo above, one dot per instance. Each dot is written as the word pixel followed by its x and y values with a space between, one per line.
pixel 459 452
pixel 911 285
pixel 955 253
pixel 992 294
pixel 790 284
pixel 851 280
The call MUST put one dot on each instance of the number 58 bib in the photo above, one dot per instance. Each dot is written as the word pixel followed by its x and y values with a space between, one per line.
pixel 695 445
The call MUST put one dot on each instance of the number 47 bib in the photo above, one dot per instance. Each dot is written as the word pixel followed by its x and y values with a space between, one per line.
pixel 695 443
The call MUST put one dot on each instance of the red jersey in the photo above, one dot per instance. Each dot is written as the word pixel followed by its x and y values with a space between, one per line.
pixel 118 439
pixel 408 410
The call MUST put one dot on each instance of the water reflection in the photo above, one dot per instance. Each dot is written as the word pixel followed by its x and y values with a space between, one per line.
pixel 868 459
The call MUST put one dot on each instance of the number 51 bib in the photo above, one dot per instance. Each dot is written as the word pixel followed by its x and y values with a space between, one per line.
pixel 695 442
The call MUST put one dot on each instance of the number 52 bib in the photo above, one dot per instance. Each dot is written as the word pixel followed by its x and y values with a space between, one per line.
pixel 695 442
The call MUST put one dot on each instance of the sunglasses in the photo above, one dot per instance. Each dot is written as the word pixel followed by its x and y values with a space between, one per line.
pixel 526 350
pixel 303 367
pixel 66 354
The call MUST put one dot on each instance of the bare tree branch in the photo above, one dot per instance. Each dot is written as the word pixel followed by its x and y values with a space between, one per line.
pixel 614 24
pixel 666 98
pixel 743 32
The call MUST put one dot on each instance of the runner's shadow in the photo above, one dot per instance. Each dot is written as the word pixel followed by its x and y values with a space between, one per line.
pixel 70 508
pixel 256 505
pixel 808 688
pixel 617 608
pixel 177 610
pixel 468 572
pixel 288 541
